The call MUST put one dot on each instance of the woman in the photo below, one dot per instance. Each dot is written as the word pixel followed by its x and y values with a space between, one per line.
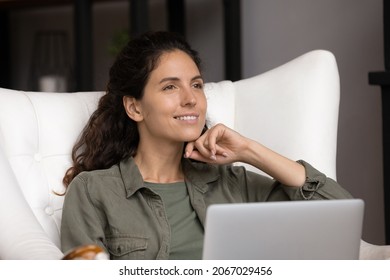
pixel 152 167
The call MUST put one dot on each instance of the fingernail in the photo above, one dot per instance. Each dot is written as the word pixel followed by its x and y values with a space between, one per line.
pixel 224 154
pixel 213 157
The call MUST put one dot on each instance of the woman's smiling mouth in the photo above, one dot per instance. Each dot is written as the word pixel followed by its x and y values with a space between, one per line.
pixel 187 118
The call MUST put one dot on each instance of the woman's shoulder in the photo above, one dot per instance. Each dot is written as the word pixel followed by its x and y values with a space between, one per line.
pixel 112 171
pixel 96 179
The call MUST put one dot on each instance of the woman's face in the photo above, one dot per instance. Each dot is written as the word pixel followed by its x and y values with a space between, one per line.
pixel 173 106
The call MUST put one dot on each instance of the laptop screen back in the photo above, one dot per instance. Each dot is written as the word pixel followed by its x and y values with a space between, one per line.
pixel 301 230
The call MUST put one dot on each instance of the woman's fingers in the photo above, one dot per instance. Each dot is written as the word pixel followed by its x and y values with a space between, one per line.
pixel 203 146
pixel 189 149
pixel 206 147
pixel 212 138
pixel 197 150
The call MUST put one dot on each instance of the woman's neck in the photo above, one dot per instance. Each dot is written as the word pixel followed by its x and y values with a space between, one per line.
pixel 161 165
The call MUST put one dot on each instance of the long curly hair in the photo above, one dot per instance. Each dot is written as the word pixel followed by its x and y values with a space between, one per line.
pixel 110 136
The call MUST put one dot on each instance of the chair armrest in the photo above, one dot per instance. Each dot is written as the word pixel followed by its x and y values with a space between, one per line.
pixel 374 252
pixel 21 237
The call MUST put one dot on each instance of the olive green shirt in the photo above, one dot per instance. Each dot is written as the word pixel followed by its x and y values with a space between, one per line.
pixel 116 210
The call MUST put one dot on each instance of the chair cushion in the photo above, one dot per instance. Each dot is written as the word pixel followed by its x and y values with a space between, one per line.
pixel 37 132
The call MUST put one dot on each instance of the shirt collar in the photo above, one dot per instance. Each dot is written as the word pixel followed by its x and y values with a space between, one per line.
pixel 131 176
pixel 198 173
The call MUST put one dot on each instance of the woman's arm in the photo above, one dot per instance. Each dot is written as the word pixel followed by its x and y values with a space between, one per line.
pixel 80 224
pixel 222 145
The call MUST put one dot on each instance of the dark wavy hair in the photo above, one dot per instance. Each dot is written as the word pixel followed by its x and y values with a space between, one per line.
pixel 110 136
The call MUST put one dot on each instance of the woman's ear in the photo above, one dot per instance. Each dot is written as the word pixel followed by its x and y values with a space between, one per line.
pixel 132 108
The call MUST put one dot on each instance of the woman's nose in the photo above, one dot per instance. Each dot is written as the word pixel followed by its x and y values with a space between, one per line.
pixel 189 98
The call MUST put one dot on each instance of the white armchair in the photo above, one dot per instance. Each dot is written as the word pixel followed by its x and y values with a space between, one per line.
pixel 292 109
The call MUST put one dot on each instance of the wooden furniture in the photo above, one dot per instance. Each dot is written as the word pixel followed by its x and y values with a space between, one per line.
pixel 87 252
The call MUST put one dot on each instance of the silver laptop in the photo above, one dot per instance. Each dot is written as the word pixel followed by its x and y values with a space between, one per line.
pixel 294 230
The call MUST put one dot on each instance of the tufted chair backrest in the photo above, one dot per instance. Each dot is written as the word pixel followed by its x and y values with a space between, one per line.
pixel 37 131
pixel 292 109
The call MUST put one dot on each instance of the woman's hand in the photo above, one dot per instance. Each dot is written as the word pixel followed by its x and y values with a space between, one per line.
pixel 222 145
pixel 218 144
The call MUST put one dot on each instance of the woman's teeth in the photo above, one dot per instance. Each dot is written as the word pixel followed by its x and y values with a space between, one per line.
pixel 186 118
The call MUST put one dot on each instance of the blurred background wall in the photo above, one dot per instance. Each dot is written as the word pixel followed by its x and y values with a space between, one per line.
pixel 273 32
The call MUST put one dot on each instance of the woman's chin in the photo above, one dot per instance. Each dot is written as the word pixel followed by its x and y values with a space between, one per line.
pixel 191 138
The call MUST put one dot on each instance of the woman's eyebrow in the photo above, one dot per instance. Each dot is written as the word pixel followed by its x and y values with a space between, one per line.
pixel 169 79
pixel 177 79
pixel 197 77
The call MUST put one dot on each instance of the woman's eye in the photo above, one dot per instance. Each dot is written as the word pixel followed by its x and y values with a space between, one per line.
pixel 198 85
pixel 169 87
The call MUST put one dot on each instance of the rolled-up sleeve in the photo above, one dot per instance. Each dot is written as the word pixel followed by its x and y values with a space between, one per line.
pixel 316 186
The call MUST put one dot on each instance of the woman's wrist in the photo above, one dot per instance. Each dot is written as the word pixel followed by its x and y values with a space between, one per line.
pixel 282 169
